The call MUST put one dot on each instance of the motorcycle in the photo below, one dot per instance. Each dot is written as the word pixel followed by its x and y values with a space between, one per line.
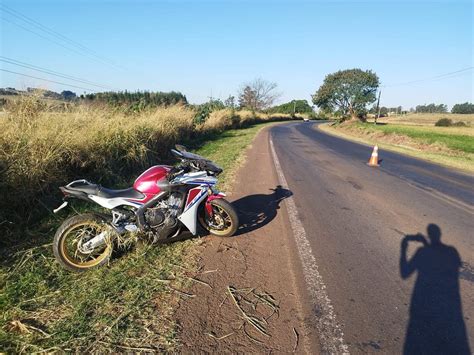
pixel 163 202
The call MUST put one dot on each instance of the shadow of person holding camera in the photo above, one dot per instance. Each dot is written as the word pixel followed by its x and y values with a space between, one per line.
pixel 436 323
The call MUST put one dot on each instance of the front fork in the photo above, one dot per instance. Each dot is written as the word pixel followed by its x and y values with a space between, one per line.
pixel 213 194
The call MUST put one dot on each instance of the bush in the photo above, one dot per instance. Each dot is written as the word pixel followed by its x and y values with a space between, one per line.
pixel 444 122
pixel 460 124
pixel 41 150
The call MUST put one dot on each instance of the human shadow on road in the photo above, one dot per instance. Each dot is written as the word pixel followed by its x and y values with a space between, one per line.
pixel 255 211
pixel 436 324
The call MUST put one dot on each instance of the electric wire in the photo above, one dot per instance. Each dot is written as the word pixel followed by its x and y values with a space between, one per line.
pixel 43 79
pixel 78 48
pixel 449 75
pixel 42 27
pixel 51 72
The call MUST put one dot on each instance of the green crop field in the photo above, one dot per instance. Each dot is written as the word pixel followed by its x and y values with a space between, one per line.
pixel 456 138
pixel 417 135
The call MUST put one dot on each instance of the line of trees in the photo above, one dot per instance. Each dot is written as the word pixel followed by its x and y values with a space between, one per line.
pixel 464 108
pixel 384 111
pixel 140 99
pixel 292 107
pixel 48 94
pixel 431 108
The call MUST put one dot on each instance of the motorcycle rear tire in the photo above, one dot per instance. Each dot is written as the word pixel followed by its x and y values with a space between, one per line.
pixel 63 255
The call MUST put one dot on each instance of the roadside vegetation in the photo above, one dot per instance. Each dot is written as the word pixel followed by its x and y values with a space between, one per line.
pixel 128 305
pixel 427 131
pixel 419 136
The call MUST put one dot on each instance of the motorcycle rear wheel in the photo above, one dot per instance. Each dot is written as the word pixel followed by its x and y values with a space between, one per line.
pixel 224 222
pixel 74 232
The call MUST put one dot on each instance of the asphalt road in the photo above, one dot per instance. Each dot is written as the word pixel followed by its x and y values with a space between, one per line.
pixel 393 289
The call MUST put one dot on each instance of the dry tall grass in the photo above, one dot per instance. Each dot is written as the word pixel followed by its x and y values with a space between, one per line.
pixel 41 149
pixel 426 119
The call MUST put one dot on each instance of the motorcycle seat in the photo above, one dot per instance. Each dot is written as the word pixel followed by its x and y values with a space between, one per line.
pixel 98 190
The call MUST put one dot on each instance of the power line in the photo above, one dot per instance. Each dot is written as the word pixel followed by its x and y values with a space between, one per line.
pixel 51 81
pixel 51 72
pixel 79 48
pixel 54 33
pixel 44 37
pixel 442 76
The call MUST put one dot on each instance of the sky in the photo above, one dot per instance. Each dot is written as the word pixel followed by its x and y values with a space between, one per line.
pixel 210 48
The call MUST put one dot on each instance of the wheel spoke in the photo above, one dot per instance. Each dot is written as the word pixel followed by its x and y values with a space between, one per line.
pixel 76 238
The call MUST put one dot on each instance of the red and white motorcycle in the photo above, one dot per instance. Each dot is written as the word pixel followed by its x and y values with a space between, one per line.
pixel 164 201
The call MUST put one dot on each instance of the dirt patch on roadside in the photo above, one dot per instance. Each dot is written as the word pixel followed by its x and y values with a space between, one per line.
pixel 246 295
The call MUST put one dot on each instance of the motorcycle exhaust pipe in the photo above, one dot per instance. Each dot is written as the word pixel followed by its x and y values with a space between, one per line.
pixel 98 240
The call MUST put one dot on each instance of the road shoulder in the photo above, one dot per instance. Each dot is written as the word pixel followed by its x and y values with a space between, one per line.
pixel 432 157
pixel 254 274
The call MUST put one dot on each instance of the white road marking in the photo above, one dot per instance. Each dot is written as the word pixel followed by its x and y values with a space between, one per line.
pixel 331 337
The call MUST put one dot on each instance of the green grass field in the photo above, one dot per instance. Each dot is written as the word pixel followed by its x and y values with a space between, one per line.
pixel 126 306
pixel 416 135
pixel 455 138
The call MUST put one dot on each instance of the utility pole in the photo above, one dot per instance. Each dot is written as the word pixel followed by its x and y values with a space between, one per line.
pixel 294 107
pixel 378 109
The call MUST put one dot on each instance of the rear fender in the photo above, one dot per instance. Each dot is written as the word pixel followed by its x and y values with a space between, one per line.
pixel 211 198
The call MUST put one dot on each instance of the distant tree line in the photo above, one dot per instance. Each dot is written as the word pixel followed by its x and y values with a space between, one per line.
pixel 464 108
pixel 137 100
pixel 384 111
pixel 431 108
pixel 48 94
pixel 294 106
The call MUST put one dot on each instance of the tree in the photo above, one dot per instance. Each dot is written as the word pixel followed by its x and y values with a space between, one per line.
pixel 205 109
pixel 230 102
pixel 431 108
pixel 258 94
pixel 294 106
pixel 68 95
pixel 347 92
pixel 247 98
pixel 464 108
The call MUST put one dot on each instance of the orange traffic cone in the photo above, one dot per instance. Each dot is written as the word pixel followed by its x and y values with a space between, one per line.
pixel 374 158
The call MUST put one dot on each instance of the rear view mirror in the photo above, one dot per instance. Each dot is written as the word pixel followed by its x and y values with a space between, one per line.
pixel 180 148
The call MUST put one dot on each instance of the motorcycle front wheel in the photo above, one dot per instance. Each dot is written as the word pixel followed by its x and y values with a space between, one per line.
pixel 70 240
pixel 224 221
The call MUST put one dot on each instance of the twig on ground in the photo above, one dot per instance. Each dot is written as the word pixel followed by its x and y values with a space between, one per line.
pixel 219 338
pixel 198 281
pixel 252 338
pixel 258 324
pixel 297 339
pixel 182 293
pixel 127 347
pixel 209 271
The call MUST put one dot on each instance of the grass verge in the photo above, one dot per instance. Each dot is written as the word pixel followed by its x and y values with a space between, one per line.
pixel 126 306
pixel 452 147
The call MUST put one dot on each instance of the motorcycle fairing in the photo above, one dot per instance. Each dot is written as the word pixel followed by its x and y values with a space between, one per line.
pixel 196 178
pixel 111 203
pixel 189 215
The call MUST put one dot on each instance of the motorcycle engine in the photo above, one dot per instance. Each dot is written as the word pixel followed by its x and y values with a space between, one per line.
pixel 163 217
